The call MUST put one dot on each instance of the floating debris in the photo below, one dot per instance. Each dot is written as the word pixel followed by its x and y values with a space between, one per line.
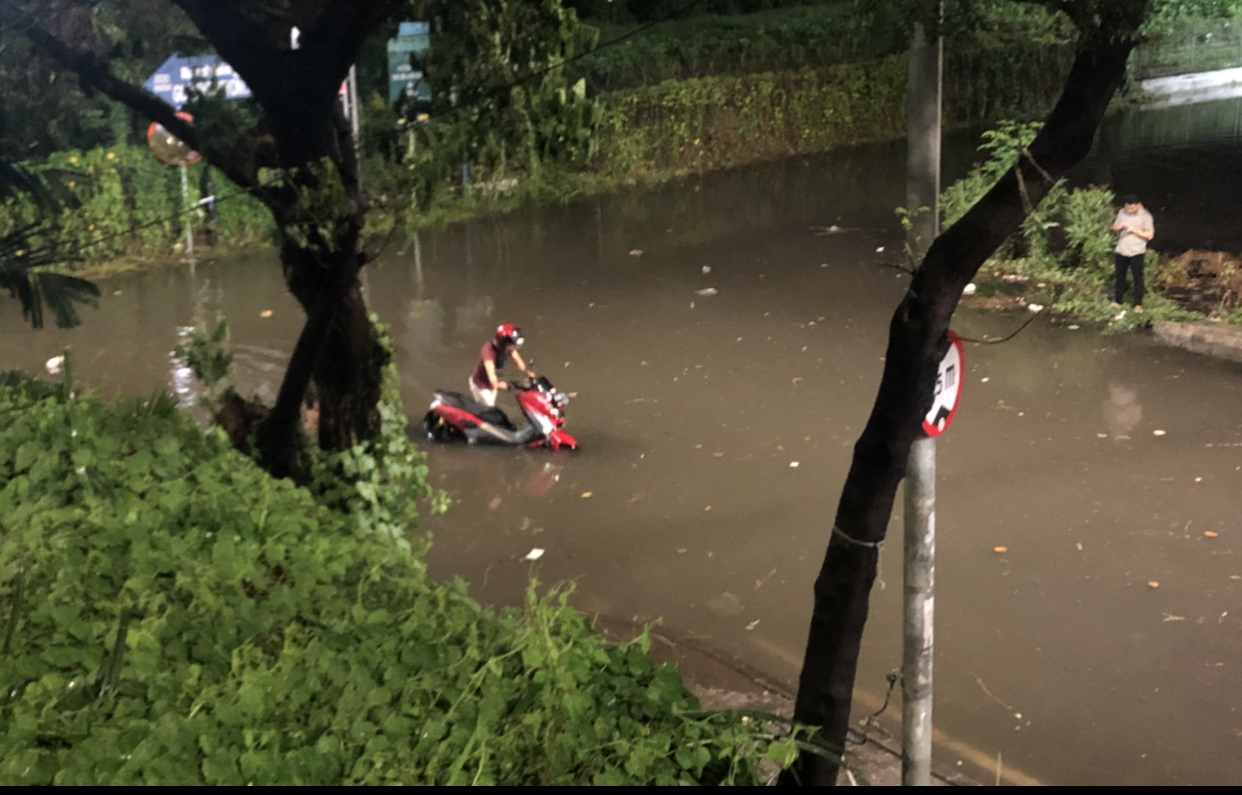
pixel 534 554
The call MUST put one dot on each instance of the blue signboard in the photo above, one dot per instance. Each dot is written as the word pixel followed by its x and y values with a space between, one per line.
pixel 412 38
pixel 204 74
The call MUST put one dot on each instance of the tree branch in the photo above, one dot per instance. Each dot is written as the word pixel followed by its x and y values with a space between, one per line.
pixel 242 43
pixel 96 75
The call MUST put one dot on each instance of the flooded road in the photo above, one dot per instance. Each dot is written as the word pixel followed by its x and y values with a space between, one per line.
pixel 716 431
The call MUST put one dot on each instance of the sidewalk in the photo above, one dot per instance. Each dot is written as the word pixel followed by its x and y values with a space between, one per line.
pixel 722 682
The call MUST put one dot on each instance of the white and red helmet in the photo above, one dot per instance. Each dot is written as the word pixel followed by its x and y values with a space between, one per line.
pixel 509 334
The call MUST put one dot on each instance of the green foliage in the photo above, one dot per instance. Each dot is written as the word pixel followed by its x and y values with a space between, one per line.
pixel 1068 229
pixel 1171 17
pixel 378 483
pixel 705 123
pixel 25 251
pixel 321 204
pixel 702 46
pixel 128 204
pixel 1182 44
pixel 171 615
pixel 1003 145
pixel 502 105
pixel 889 24
pixel 204 351
pixel 653 10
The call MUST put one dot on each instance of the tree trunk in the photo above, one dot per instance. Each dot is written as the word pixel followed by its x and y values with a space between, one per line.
pixel 917 342
pixel 338 348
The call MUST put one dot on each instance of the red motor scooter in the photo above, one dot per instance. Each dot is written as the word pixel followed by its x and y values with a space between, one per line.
pixel 457 417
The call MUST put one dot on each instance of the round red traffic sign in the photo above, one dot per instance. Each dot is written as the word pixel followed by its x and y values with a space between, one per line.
pixel 948 388
pixel 169 149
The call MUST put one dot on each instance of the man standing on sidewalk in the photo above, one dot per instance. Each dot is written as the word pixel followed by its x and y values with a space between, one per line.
pixel 1136 228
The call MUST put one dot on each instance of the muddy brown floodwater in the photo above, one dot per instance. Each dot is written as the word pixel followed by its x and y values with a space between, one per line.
pixel 1102 647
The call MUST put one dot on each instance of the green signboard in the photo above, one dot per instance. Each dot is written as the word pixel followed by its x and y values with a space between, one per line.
pixel 403 78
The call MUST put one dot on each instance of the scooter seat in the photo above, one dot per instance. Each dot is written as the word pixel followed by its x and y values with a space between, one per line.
pixel 490 414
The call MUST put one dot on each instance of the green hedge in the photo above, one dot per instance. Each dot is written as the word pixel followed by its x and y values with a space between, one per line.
pixel 171 615
pixel 130 205
pixel 715 122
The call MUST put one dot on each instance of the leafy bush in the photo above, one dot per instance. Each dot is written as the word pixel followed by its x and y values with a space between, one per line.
pixel 1068 229
pixel 172 615
pixel 129 204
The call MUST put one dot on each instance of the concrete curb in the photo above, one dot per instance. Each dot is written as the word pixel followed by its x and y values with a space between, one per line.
pixel 1211 339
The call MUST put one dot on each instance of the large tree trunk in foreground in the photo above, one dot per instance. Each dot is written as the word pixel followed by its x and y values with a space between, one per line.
pixel 338 348
pixel 917 341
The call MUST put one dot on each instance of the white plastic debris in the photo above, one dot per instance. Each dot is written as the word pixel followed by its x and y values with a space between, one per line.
pixel 793 464
pixel 638 252
pixel 984 380
pixel 534 554
pixel 706 291
pixel 55 364
pixel 1035 307
pixel 1157 432
pixel 969 289
pixel 879 250
pixel 707 269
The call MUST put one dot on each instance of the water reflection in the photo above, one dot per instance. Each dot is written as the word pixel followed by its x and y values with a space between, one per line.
pixel 1122 411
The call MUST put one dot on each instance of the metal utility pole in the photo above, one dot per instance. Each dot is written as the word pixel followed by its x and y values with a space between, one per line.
pixel 918 601
pixel 185 203
pixel 923 118
pixel 355 118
